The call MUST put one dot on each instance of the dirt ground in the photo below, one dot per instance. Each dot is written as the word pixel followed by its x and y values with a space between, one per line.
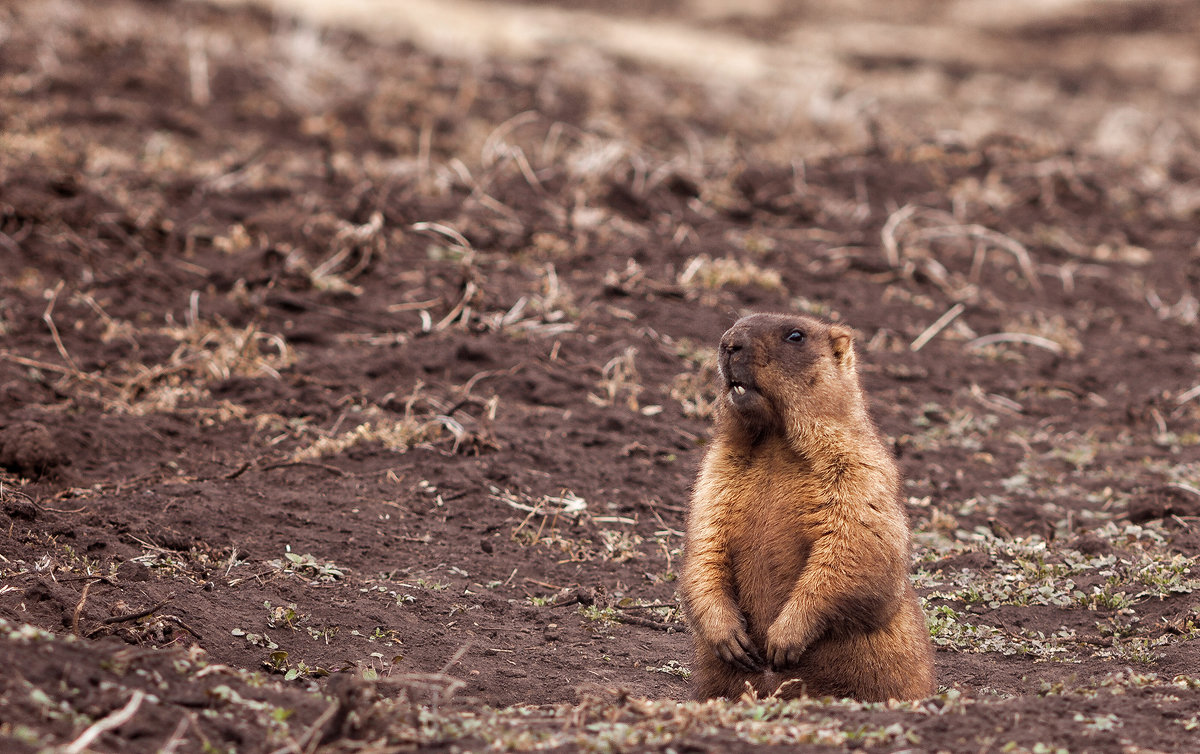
pixel 351 390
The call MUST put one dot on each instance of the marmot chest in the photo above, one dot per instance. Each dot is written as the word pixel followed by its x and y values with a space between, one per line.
pixel 775 519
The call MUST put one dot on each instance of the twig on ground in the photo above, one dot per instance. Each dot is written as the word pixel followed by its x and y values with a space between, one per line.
pixel 941 323
pixel 446 231
pixel 314 464
pixel 239 470
pixel 110 722
pixel 312 737
pixel 469 291
pixel 891 247
pixel 412 305
pixel 79 608
pixel 544 584
pixel 259 575
pixel 455 658
pixel 1184 487
pixel 179 622
pixel 48 318
pixel 1188 395
pixel 176 738
pixel 1015 337
pixel 634 620
pixel 129 617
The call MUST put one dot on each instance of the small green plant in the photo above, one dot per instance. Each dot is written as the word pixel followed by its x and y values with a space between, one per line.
pixel 604 616
pixel 435 586
pixel 283 615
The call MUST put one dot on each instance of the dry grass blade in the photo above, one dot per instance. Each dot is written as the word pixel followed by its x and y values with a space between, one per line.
pixel 494 146
pixel 176 738
pixel 1015 337
pixel 1188 395
pixel 1184 488
pixel 458 655
pixel 48 318
pixel 459 310
pixel 941 323
pixel 79 608
pixel 943 225
pixel 444 230
pixel 998 240
pixel 48 367
pixel 891 248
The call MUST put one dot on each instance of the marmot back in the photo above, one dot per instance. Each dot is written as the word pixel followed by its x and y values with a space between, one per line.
pixel 797 552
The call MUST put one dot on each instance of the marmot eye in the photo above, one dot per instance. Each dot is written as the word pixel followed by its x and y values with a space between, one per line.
pixel 796 336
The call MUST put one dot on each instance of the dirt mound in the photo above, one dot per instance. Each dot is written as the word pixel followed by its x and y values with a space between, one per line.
pixel 28 449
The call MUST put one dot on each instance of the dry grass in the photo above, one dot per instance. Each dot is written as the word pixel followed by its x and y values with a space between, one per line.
pixel 704 272
pixel 619 381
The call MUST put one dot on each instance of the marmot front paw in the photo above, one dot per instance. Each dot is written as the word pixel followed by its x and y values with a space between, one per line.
pixel 785 646
pixel 738 650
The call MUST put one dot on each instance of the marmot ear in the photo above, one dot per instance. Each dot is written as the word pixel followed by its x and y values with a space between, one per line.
pixel 841 339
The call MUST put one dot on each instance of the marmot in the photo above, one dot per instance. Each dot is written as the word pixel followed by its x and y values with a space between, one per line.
pixel 797 552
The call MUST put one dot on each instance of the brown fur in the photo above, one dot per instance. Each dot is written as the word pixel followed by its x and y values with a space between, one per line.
pixel 796 573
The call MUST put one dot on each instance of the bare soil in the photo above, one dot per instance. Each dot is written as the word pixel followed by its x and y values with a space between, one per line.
pixel 350 393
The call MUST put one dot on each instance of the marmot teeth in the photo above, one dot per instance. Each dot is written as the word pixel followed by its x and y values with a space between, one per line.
pixel 738 390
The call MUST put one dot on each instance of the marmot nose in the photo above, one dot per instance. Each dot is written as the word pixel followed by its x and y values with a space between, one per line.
pixel 733 342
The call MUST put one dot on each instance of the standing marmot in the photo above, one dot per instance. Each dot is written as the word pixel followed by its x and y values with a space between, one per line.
pixel 797 551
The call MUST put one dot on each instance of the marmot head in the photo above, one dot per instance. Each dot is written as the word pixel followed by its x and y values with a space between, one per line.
pixel 783 372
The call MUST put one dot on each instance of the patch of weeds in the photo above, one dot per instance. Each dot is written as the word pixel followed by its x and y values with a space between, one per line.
pixel 663 613
pixel 1028 572
pixel 1138 649
pixel 50 709
pixel 696 390
pixel 388 635
pixel 206 352
pixel 606 544
pixel 1103 598
pixel 436 586
pixel 949 629
pixel 308 566
pixel 398 436
pixel 619 380
pixel 704 272
pixel 1098 723
pixel 25 735
pixel 278 662
pixel 957 427
pixel 80 564
pixel 325 634
pixel 283 615
pixel 604 617
pixel 1168 577
pixel 619 546
pixel 672 667
pixel 258 640
pixel 269 716
pixel 1079 451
